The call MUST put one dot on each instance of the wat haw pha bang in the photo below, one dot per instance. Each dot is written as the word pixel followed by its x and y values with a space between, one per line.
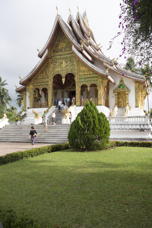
pixel 73 69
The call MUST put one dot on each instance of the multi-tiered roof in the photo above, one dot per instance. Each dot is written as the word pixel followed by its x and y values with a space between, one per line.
pixel 84 46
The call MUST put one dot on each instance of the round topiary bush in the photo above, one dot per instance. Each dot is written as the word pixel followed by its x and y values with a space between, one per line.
pixel 90 130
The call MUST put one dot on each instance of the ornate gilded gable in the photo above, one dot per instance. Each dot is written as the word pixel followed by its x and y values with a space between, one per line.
pixel 42 76
pixel 121 87
pixel 83 69
pixel 61 45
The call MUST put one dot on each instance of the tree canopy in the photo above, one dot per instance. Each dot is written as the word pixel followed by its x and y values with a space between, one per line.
pixel 144 69
pixel 130 64
pixel 136 24
pixel 4 96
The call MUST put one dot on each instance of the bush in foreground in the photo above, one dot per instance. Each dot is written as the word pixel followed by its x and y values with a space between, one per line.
pixel 90 130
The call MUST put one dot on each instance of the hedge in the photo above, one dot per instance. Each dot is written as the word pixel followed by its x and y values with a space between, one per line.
pixel 31 153
pixel 112 144
pixel 133 143
pixel 52 148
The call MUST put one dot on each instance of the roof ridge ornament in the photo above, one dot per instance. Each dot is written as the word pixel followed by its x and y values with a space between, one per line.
pixel 70 11
pixel 107 71
pixel 114 61
pixel 57 11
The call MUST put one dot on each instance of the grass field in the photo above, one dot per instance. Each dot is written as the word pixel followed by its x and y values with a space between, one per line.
pixel 105 189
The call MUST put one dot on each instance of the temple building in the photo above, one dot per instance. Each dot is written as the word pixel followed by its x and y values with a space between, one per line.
pixel 73 69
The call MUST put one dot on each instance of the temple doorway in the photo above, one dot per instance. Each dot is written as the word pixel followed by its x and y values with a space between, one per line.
pixel 40 98
pixel 64 90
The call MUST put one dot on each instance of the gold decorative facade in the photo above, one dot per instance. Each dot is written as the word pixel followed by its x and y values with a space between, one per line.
pixel 73 66
pixel 140 91
pixel 121 95
pixel 62 61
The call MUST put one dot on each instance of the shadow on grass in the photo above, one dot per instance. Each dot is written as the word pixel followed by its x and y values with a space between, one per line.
pixel 92 164
pixel 89 194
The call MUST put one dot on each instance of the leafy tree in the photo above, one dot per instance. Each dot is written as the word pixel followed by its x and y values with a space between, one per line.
pixel 11 113
pixel 147 71
pixel 130 64
pixel 19 99
pixel 144 70
pixel 4 96
pixel 136 25
pixel 90 130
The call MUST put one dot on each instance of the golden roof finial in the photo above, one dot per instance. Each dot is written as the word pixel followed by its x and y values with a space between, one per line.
pixel 107 71
pixel 69 11
pixel 57 11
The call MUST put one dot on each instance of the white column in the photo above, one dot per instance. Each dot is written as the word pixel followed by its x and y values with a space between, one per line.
pixel 27 99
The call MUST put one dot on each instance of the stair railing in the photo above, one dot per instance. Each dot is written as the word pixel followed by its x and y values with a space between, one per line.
pixel 49 113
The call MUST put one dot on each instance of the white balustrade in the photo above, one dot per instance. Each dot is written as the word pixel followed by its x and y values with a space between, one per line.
pixel 130 123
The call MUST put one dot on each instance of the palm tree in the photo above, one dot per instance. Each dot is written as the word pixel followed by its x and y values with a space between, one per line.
pixel 19 100
pixel 4 96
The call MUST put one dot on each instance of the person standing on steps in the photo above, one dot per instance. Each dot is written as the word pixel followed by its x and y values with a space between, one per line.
pixel 53 118
pixel 33 134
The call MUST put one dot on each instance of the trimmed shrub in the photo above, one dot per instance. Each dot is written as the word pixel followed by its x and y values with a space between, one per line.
pixel 59 147
pixel 90 130
pixel 9 219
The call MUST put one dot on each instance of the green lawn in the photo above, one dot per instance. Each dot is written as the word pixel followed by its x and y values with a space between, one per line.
pixel 105 189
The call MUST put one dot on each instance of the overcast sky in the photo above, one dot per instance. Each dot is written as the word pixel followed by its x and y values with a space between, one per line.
pixel 26 24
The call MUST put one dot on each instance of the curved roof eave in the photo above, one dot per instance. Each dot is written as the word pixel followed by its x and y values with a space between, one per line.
pixel 41 53
pixel 67 33
pixel 90 65
pixel 122 73
pixel 75 27
pixel 35 69
pixel 131 75
pixel 20 89
pixel 62 24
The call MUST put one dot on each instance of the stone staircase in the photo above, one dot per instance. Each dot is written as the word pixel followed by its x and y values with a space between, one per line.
pixel 58 118
pixel 53 134
pixel 136 128
pixel 122 128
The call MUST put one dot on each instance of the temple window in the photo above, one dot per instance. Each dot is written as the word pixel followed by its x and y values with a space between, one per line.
pixel 84 94
pixel 93 93
pixel 44 98
pixel 69 81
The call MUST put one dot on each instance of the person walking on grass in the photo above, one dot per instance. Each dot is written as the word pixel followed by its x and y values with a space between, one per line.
pixel 33 135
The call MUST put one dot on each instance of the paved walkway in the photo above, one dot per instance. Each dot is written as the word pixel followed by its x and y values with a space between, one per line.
pixel 7 148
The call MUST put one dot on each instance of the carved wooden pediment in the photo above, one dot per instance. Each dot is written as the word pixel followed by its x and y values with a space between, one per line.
pixel 121 87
